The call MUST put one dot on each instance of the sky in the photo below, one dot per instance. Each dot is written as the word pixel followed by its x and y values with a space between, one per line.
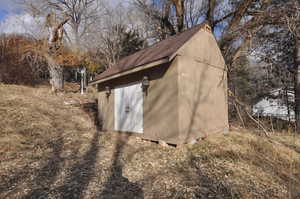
pixel 11 17
pixel 8 7
pixel 14 20
pixel 3 13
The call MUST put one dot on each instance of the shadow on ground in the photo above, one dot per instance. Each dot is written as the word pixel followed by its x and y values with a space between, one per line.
pixel 71 173
pixel 118 185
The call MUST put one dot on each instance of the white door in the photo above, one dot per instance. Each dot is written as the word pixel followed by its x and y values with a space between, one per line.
pixel 129 108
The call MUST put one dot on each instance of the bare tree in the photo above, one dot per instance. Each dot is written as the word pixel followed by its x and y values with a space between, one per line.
pixel 160 14
pixel 82 15
pixel 53 47
pixel 294 28
pixel 51 50
pixel 118 43
pixel 278 45
pixel 119 34
pixel 193 12
pixel 68 23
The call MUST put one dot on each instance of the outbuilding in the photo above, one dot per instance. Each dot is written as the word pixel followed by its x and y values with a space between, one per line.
pixel 173 91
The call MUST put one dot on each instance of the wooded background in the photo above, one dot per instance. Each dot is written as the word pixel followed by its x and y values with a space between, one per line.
pixel 259 40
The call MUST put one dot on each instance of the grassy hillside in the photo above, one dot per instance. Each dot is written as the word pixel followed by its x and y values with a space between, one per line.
pixel 51 149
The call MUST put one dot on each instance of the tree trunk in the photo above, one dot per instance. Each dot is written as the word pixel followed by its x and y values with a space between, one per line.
pixel 210 12
pixel 56 74
pixel 297 82
pixel 57 78
pixel 286 95
pixel 179 5
pixel 76 43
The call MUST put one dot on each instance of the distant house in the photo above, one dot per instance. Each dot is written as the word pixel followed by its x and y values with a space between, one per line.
pixel 174 91
pixel 275 105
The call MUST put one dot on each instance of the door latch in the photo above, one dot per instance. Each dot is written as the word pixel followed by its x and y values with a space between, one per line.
pixel 127 109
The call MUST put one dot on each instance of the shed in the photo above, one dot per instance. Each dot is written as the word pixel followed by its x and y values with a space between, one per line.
pixel 173 91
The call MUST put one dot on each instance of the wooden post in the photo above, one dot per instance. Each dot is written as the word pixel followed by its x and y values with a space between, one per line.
pixel 82 81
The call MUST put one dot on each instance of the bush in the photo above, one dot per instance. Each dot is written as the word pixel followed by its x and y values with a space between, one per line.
pixel 15 66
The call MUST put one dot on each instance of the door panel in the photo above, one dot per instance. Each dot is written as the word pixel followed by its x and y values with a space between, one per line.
pixel 129 108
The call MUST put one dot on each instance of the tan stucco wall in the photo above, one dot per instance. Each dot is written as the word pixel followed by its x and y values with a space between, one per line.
pixel 106 110
pixel 161 107
pixel 160 103
pixel 204 48
pixel 202 89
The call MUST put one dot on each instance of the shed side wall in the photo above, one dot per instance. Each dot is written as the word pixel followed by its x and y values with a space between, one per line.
pixel 106 110
pixel 161 107
pixel 203 108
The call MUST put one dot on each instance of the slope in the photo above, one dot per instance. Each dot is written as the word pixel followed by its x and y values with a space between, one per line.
pixel 51 149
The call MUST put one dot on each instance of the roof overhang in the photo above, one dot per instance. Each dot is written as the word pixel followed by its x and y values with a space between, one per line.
pixel 133 70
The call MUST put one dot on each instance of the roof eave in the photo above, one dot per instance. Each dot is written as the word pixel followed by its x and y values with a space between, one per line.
pixel 136 69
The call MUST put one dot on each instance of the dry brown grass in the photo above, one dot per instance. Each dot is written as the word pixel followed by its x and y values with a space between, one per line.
pixel 240 165
pixel 52 150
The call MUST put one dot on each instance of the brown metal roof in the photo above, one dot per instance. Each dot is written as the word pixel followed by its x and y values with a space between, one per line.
pixel 158 51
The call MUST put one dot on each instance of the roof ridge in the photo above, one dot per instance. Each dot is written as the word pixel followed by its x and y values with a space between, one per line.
pixel 164 40
pixel 162 49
